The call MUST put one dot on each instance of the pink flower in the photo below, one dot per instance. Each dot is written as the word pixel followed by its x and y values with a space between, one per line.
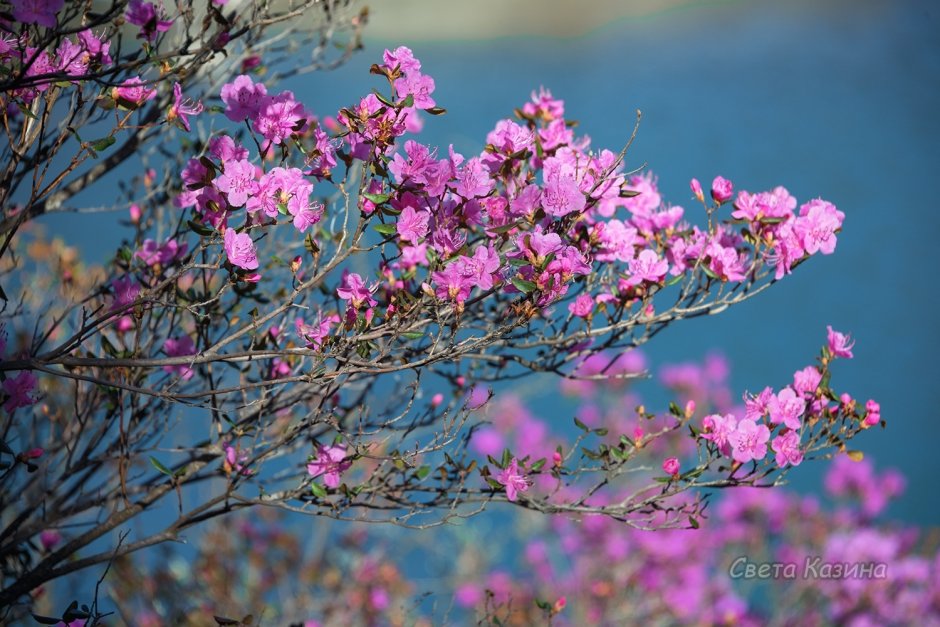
pixel 816 226
pixel 561 194
pixel 787 448
pixel 240 250
pixel 355 291
pixel 582 306
pixel 806 381
pixel 133 91
pixel 647 267
pixel 18 389
pixel 314 334
pixel 412 224
pixel 402 58
pixel 697 189
pixel 873 413
pixel 481 267
pixel 235 461
pixel 237 181
pixel 279 117
pixel 786 407
pixel 243 98
pixel 722 189
pixel 513 479
pixel 749 441
pixel 126 290
pixel 840 345
pixel 179 347
pixel 146 15
pixel 451 284
pixel 49 538
pixel 331 462
pixel 718 429
pixel 182 109
pixel 758 406
pixel 40 12
pixel 671 466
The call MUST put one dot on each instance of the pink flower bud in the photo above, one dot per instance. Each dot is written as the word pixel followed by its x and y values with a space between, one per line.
pixel 135 212
pixel 34 453
pixel 49 538
pixel 874 413
pixel 671 466
pixel 560 604
pixel 556 459
pixel 436 400
pixel 690 408
pixel 697 189
pixel 722 189
pixel 295 264
pixel 461 381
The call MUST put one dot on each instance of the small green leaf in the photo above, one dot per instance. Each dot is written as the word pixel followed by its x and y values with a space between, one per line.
pixel 601 431
pixel 101 144
pixel 160 467
pixel 318 490
pixel 385 229
pixel 377 199
pixel 200 228
pixel 423 472
pixel 383 99
pixel 436 110
pixel 581 425
pixel 674 280
pixel 524 286
pixel 694 522
pixel 413 335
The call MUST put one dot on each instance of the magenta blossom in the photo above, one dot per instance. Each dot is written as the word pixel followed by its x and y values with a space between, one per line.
pixel 786 406
pixel 722 189
pixel 40 12
pixel 840 345
pixel 412 224
pixel 49 538
pixel 671 466
pixel 182 108
pixel 237 181
pixel 179 347
pixel 749 441
pixel 240 250
pixel 513 479
pixel 133 91
pixel 314 334
pixel 647 267
pixel 18 391
pixel 148 17
pixel 787 448
pixel 243 98
pixel 718 429
pixel 582 306
pixel 330 462
pixel 355 291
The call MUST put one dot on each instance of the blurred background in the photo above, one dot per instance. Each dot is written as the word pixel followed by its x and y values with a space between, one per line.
pixel 838 99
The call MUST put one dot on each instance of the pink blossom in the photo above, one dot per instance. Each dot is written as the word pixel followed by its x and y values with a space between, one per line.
pixel 18 390
pixel 806 381
pixel 787 250
pixel 582 306
pixel 786 407
pixel 148 17
pixel 181 346
pixel 40 12
pixel 240 250
pixel 514 480
pixel 49 538
pixel 697 189
pixel 182 109
pixel 718 428
pixel 749 441
pixel 133 91
pixel 722 189
pixel 840 345
pixel 417 85
pixel 126 290
pixel 97 50
pixel 787 448
pixel 412 224
pixel 331 462
pixel 235 460
pixel 402 58
pixel 279 117
pixel 873 413
pixel 314 334
pixel 817 225
pixel 647 267
pixel 481 267
pixel 561 194
pixel 237 181
pixel 671 466
pixel 355 291
pixel 243 98
pixel 451 284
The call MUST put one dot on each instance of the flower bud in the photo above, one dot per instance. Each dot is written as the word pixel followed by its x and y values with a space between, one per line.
pixel 697 190
pixel 671 466
pixel 722 189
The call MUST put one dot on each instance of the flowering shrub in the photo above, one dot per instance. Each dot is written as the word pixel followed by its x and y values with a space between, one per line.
pixel 308 309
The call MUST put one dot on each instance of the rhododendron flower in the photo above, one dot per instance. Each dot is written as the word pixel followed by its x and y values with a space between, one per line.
pixel 412 224
pixel 355 291
pixel 96 49
pixel 148 17
pixel 49 538
pixel 514 480
pixel 330 462
pixel 235 461
pixel 582 306
pixel 722 189
pixel 18 390
pixel 40 12
pixel 133 91
pixel 181 109
pixel 696 188
pixel 243 98
pixel 647 267
pixel 152 254
pixel 840 345
pixel 806 381
pixel 786 407
pixel 718 428
pixel 402 58
pixel 240 250
pixel 671 466
pixel 816 226
pixel 873 415
pixel 451 284
pixel 126 290
pixel 279 117
pixel 237 181
pixel 787 448
pixel 481 267
pixel 749 441
pixel 179 347
pixel 314 334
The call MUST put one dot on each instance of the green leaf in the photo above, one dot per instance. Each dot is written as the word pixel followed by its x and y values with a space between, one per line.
pixel 383 99
pixel 423 472
pixel 101 144
pixel 436 110
pixel 537 466
pixel 601 431
pixel 524 286
pixel 694 522
pixel 385 229
pixel 674 280
pixel 160 467
pixel 413 335
pixel 581 425
pixel 378 199
pixel 507 457
pixel 674 410
pixel 318 490
pixel 409 101
pixel 200 228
